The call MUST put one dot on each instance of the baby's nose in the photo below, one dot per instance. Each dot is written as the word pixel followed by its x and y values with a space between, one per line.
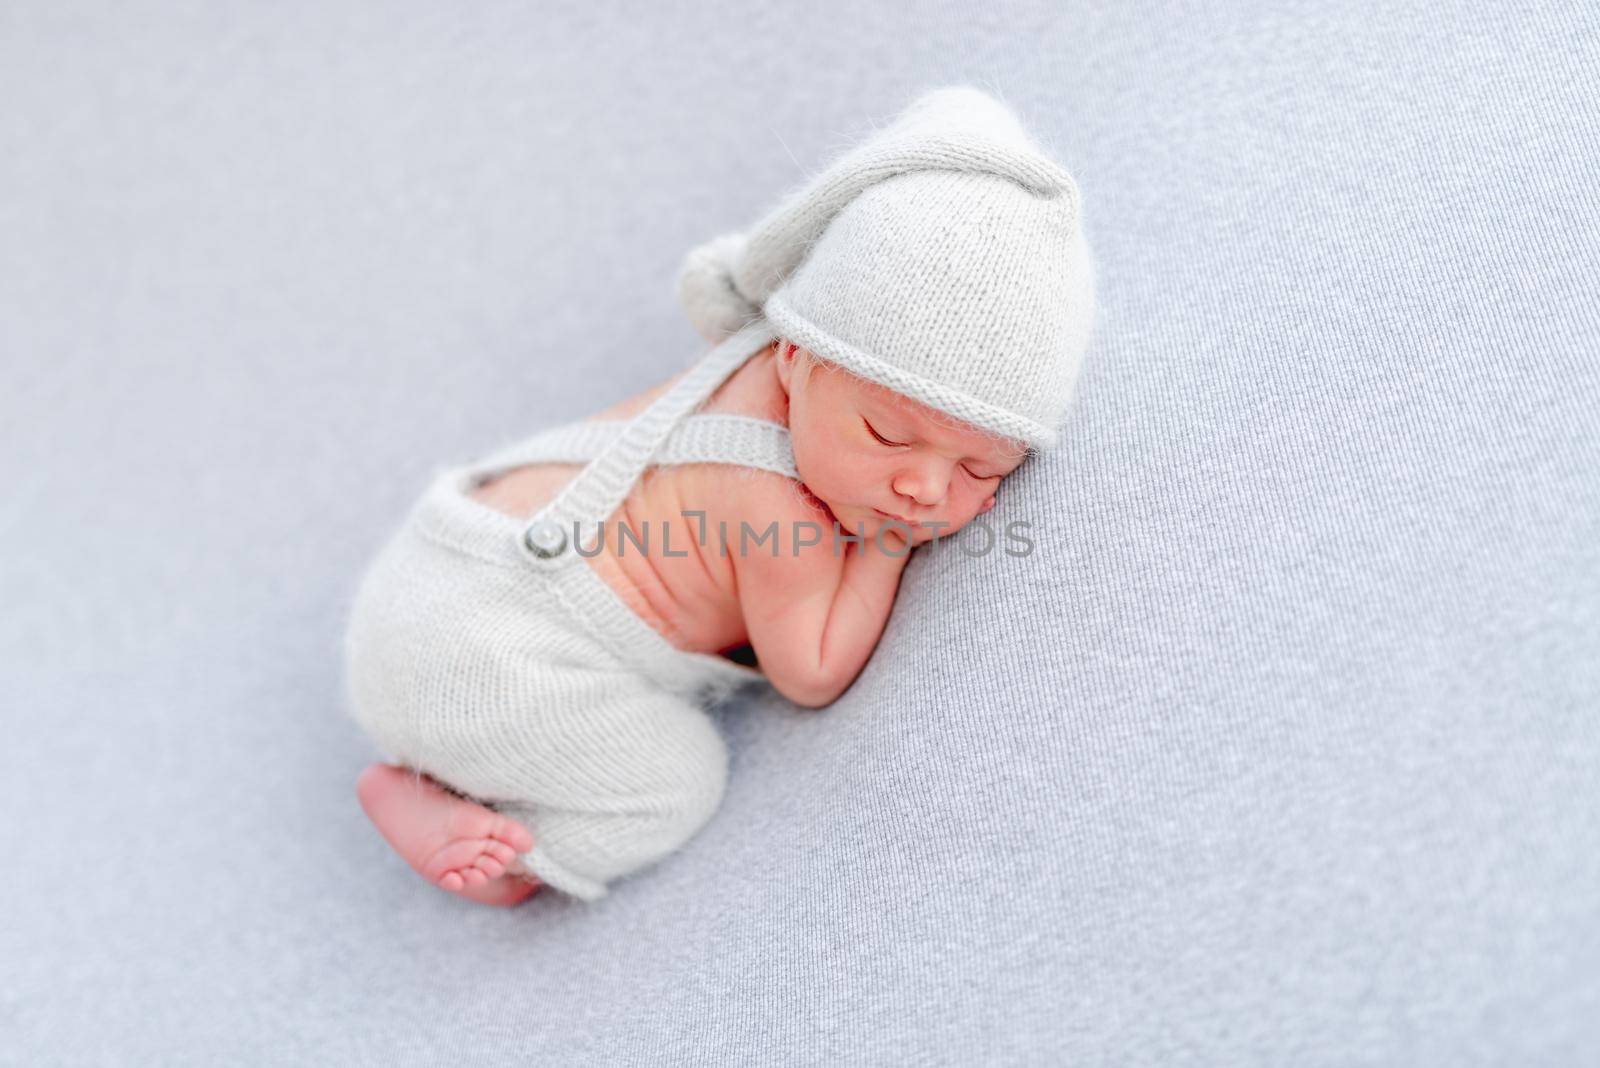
pixel 923 489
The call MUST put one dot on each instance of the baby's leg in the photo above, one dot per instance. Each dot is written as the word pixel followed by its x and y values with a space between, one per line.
pixel 450 841
pixel 609 780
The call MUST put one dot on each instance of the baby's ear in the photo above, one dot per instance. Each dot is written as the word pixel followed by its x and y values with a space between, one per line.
pixel 785 362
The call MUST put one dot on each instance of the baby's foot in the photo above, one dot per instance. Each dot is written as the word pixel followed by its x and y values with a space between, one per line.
pixel 452 842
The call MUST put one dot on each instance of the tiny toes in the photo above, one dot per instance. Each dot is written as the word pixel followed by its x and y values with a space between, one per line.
pixel 514 835
pixel 455 843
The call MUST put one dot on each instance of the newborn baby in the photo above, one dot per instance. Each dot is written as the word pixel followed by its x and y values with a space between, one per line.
pixel 537 646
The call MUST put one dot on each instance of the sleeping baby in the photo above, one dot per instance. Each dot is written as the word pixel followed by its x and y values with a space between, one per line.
pixel 537 646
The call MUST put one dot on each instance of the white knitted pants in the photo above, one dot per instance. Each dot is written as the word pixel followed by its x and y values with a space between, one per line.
pixel 464 668
pixel 515 675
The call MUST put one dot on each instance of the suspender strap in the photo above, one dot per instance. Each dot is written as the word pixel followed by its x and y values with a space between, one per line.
pixel 708 437
pixel 602 486
pixel 725 438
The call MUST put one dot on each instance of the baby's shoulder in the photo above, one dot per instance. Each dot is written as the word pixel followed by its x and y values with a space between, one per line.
pixel 753 390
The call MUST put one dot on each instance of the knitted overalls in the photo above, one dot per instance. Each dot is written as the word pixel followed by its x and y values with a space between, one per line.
pixel 484 650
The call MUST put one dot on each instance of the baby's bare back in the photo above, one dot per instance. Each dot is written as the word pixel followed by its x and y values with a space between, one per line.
pixel 672 571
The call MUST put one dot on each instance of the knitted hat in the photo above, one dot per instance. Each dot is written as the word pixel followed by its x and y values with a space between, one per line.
pixel 941 258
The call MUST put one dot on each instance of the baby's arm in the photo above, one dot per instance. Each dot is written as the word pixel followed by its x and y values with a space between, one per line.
pixel 814 618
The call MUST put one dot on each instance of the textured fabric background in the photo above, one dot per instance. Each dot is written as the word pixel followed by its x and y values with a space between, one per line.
pixel 1281 747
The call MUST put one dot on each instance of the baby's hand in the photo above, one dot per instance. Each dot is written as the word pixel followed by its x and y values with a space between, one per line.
pixel 988 504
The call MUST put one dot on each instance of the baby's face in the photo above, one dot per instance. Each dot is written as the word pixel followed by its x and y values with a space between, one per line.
pixel 871 454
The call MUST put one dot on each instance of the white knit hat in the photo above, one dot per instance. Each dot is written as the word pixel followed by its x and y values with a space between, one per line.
pixel 942 258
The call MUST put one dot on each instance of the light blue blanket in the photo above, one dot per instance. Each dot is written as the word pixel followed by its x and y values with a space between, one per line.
pixel 1282 747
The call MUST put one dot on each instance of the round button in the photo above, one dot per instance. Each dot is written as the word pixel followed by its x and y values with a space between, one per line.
pixel 545 539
